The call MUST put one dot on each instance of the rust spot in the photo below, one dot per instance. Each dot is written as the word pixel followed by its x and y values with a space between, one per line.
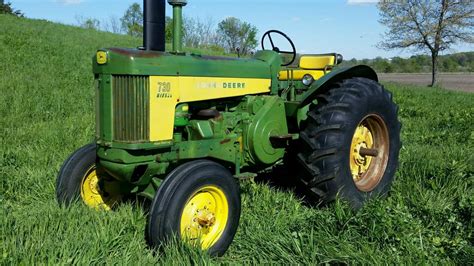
pixel 137 52
pixel 216 58
pixel 224 141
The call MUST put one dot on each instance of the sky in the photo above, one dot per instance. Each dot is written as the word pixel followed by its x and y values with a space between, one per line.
pixel 348 27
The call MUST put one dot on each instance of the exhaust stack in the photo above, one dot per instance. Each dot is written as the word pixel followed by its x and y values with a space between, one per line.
pixel 154 25
pixel 177 24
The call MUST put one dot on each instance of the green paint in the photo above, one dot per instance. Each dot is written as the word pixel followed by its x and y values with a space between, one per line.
pixel 177 28
pixel 274 61
pixel 150 190
pixel 181 115
pixel 302 114
pixel 135 146
pixel 104 108
pixel 204 128
pixel 138 62
pixel 269 120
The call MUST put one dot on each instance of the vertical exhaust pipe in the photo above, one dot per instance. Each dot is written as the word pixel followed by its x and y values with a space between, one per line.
pixel 154 25
pixel 177 24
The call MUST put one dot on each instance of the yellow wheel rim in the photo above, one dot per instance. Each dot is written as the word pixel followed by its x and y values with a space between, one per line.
pixel 99 193
pixel 205 216
pixel 369 152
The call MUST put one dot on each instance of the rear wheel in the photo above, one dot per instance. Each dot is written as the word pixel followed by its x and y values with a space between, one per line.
pixel 198 202
pixel 350 142
pixel 80 179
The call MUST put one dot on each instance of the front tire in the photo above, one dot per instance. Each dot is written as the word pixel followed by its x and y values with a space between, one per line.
pixel 350 142
pixel 80 179
pixel 199 202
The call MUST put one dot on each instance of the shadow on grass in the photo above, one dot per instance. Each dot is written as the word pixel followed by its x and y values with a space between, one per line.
pixel 282 178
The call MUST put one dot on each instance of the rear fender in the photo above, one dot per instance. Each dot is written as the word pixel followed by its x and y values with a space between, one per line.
pixel 323 84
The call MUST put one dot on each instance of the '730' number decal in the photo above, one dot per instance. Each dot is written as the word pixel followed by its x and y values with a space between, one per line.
pixel 164 90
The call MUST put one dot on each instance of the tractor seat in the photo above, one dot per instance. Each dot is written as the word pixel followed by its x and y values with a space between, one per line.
pixel 315 65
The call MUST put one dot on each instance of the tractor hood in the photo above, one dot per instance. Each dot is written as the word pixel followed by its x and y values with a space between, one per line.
pixel 122 61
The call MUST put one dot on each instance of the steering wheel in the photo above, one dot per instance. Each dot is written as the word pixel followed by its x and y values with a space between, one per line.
pixel 276 49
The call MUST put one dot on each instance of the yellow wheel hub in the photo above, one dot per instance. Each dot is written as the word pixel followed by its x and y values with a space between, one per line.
pixel 368 156
pixel 99 193
pixel 205 216
pixel 362 139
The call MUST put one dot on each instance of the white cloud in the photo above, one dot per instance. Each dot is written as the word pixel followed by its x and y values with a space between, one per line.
pixel 323 20
pixel 296 19
pixel 360 2
pixel 70 2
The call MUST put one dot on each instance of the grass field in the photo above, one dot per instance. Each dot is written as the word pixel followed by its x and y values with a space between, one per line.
pixel 47 111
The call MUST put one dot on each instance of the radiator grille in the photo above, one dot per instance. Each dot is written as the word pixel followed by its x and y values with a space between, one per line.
pixel 131 108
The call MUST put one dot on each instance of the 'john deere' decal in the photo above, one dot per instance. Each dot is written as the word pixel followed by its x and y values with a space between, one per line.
pixel 233 85
pixel 223 85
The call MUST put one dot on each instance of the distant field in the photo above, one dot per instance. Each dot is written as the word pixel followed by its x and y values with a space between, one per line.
pixel 451 81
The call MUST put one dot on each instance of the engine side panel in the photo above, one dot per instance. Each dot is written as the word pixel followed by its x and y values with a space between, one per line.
pixel 166 92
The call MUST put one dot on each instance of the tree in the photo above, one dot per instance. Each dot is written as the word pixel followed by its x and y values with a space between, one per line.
pixel 237 35
pixel 91 23
pixel 433 25
pixel 168 29
pixel 132 20
pixel 87 23
pixel 112 24
pixel 6 8
pixel 198 33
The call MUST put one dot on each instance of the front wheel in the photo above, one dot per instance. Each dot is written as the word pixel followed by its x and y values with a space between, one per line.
pixel 350 142
pixel 79 178
pixel 198 202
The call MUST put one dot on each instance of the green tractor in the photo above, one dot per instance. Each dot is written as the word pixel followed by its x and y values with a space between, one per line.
pixel 180 129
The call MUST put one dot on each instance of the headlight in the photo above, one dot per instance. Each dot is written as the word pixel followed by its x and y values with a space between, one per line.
pixel 307 79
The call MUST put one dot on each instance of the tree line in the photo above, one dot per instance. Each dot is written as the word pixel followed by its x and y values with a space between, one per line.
pixel 230 35
pixel 458 62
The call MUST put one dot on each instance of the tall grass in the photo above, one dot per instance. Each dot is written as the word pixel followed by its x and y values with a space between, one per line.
pixel 47 112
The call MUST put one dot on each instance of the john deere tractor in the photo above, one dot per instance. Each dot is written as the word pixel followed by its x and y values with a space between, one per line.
pixel 180 129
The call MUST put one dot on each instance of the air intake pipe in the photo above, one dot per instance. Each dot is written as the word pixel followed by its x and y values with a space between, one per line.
pixel 154 25
pixel 177 24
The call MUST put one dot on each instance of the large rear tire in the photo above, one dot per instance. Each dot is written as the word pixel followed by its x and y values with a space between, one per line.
pixel 199 202
pixel 350 142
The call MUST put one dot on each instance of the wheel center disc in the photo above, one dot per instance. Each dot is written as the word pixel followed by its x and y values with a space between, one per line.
pixel 368 155
pixel 94 196
pixel 204 216
pixel 93 184
pixel 362 139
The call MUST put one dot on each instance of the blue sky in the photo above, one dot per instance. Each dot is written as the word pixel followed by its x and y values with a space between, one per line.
pixel 349 27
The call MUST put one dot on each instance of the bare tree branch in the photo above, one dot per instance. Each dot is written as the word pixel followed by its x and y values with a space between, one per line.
pixel 434 25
